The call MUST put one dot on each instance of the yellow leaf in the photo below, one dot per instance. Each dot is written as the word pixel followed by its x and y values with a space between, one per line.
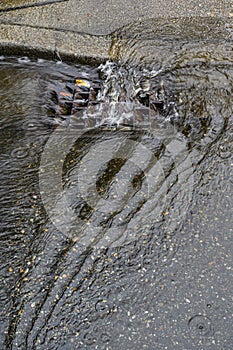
pixel 80 82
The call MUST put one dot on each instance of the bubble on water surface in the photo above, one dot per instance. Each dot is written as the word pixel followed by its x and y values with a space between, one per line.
pixel 201 327
pixel 24 59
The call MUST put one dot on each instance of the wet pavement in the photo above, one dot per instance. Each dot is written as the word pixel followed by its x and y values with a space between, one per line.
pixel 116 221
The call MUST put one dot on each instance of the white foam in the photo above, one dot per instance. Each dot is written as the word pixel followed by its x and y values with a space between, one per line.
pixel 24 59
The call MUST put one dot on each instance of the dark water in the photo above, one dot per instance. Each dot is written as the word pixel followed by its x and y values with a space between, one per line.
pixel 119 235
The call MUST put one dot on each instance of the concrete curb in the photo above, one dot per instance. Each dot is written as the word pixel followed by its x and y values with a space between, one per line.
pixel 79 30
pixel 52 43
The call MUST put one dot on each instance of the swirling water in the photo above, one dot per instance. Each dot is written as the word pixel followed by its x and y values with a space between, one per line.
pixel 118 236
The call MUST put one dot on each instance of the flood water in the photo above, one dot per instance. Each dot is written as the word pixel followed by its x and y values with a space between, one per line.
pixel 116 219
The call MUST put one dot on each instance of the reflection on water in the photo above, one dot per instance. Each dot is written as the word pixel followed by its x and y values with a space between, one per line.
pixel 93 219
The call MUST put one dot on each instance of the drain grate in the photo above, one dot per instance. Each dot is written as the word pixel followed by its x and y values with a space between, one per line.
pixel 69 98
pixel 81 99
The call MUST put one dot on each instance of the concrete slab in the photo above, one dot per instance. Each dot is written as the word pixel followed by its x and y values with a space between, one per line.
pixel 102 18
pixel 10 5
pixel 47 25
